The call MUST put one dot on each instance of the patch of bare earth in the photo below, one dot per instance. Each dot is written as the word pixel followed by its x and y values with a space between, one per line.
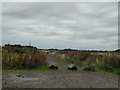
pixel 59 79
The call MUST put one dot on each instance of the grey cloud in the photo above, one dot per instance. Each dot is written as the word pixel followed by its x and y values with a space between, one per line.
pixel 62 25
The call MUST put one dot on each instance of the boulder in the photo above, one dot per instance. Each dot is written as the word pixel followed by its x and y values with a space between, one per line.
pixel 90 67
pixel 53 66
pixel 72 67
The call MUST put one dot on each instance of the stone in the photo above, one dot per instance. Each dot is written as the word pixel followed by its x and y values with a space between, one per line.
pixel 72 67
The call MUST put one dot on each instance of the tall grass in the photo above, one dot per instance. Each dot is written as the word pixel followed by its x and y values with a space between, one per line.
pixel 109 63
pixel 22 57
pixel 23 60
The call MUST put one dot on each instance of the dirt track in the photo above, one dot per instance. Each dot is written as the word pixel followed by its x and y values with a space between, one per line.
pixel 59 78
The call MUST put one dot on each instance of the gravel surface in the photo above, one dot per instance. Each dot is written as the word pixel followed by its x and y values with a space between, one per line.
pixel 61 78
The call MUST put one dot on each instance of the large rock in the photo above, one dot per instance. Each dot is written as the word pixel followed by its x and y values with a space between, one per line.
pixel 91 67
pixel 72 67
pixel 53 66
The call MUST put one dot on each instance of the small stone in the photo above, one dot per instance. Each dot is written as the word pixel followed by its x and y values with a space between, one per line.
pixel 5 83
pixel 18 75
pixel 22 76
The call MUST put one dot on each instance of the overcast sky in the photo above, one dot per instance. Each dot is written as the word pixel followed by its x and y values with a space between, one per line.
pixel 61 25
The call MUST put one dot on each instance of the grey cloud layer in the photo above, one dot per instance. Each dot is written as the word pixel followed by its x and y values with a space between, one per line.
pixel 62 25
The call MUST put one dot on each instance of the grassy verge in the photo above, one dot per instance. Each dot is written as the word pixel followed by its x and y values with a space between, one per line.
pixel 17 57
pixel 104 69
pixel 109 69
pixel 104 63
pixel 40 68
